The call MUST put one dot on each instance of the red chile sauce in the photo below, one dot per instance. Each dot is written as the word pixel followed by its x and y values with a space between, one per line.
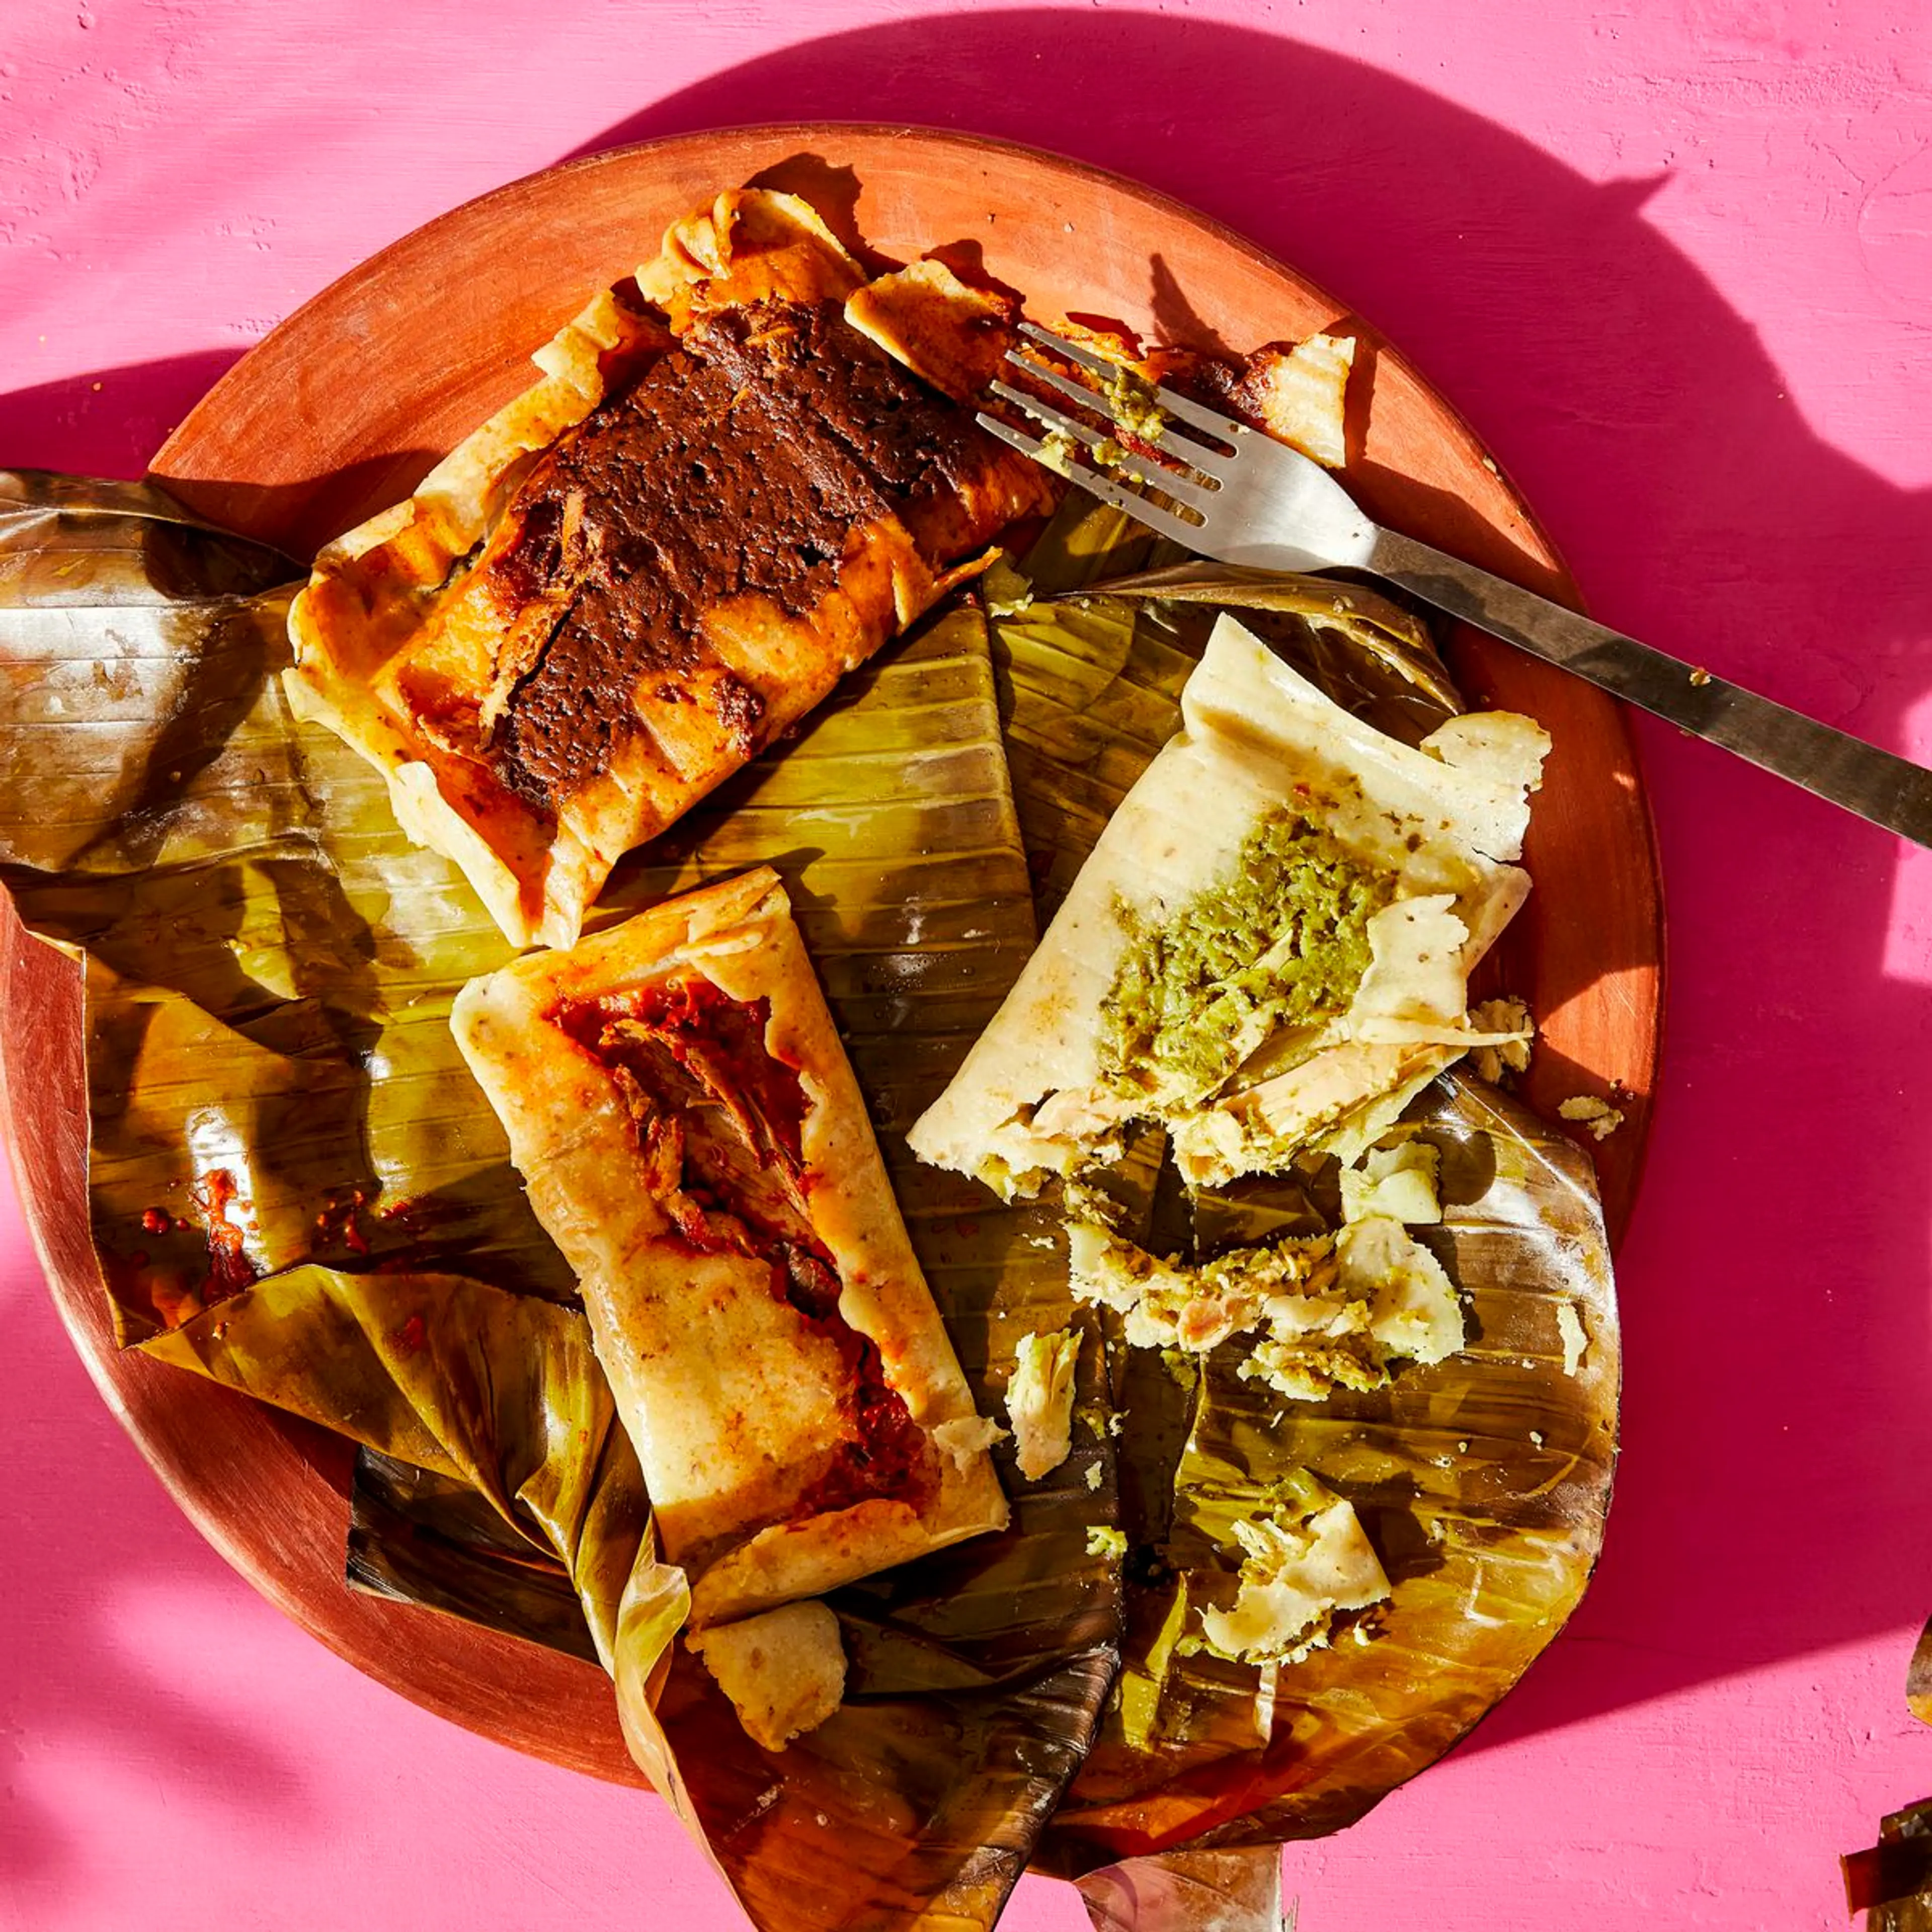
pixel 230 1270
pixel 720 1120
pixel 174 1289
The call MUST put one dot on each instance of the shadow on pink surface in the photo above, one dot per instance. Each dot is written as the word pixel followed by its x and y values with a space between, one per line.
pixel 108 423
pixel 1775 1282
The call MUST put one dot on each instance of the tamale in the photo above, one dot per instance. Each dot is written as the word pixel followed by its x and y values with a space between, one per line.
pixel 724 494
pixel 684 1115
pixel 1268 950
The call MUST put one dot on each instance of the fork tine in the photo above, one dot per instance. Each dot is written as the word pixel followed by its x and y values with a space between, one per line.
pixel 1182 489
pixel 1163 522
pixel 1183 449
pixel 1183 407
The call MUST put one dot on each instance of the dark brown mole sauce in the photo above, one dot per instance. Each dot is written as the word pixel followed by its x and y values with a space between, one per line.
pixel 721 1119
pixel 741 460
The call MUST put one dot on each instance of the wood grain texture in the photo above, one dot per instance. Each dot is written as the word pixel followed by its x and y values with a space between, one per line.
pixel 342 409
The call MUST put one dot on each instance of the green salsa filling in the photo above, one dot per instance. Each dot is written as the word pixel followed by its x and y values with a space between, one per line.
pixel 1281 940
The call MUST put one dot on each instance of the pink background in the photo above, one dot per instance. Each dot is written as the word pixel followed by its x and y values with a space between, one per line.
pixel 1675 261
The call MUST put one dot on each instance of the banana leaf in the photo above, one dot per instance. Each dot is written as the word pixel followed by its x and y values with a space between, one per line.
pixel 1892 1880
pixel 1360 629
pixel 297 1189
pixel 1918 1677
pixel 418 1537
pixel 288 1151
pixel 977 1674
pixel 1482 1481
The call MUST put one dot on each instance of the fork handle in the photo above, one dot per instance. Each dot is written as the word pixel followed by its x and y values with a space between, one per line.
pixel 1890 791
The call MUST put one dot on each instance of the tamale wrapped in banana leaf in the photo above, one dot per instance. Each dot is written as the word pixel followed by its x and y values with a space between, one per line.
pixel 691 1136
pixel 1267 950
pixel 723 493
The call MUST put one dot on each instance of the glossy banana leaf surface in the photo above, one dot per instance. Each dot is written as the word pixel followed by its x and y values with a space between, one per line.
pixel 977 1675
pixel 297 1188
pixel 291 1189
pixel 1482 1481
pixel 1918 1677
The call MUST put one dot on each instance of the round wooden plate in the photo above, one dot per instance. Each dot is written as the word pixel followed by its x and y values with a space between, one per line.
pixel 342 409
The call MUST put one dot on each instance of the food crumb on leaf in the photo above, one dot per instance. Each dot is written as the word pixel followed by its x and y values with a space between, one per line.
pixel 1039 1400
pixel 1598 1117
pixel 784 1670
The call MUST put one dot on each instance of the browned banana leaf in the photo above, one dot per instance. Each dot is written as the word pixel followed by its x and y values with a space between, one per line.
pixel 421 1538
pixel 297 1189
pixel 978 1673
pixel 1892 1880
pixel 500 1392
pixel 272 1075
pixel 1482 1481
pixel 1918 1678
pixel 1366 625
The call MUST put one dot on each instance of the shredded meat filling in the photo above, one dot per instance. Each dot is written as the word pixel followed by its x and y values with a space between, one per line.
pixel 721 1121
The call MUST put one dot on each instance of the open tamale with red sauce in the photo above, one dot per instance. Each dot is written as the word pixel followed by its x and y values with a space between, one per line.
pixel 691 1134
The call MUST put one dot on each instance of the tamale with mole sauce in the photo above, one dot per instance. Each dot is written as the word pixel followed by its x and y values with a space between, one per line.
pixel 725 494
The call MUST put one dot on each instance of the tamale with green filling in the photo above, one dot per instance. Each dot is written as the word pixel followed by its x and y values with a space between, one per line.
pixel 1268 950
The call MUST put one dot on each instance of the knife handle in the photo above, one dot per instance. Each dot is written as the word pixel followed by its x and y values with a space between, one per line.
pixel 1877 785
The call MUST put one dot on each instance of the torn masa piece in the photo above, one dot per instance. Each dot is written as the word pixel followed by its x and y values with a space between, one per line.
pixel 1397 1182
pixel 783 1671
pixel 1596 1117
pixel 1507 1014
pixel 1296 391
pixel 1329 1313
pixel 1039 1400
pixel 1302 1567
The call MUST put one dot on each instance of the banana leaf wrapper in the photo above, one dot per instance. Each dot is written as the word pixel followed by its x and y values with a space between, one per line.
pixel 1482 1481
pixel 1892 1880
pixel 297 1189
pixel 977 1674
pixel 268 1070
pixel 434 1541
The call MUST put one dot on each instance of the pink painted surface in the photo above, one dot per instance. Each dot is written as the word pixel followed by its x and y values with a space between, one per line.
pixel 1674 262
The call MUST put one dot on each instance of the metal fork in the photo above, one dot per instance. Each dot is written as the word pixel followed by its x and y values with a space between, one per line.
pixel 1238 495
